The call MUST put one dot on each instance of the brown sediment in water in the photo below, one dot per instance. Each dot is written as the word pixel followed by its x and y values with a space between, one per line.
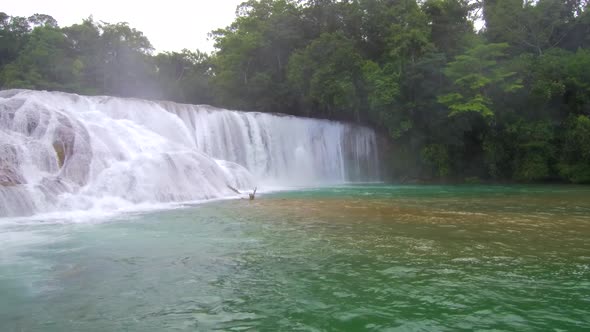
pixel 346 209
pixel 476 223
pixel 509 211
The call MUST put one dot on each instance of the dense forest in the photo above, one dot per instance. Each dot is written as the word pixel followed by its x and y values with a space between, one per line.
pixel 495 90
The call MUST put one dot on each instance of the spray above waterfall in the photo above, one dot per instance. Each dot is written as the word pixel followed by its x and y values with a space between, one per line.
pixel 61 152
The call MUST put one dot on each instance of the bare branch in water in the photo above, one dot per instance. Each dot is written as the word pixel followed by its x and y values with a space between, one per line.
pixel 234 189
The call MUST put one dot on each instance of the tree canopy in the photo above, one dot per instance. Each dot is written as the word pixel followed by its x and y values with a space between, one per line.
pixel 508 102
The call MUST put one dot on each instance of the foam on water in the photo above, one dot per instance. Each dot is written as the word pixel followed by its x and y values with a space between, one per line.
pixel 64 153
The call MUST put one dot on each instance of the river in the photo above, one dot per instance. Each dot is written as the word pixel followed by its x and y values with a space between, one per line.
pixel 343 258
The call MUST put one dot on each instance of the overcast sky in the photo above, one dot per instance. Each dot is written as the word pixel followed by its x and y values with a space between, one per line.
pixel 170 25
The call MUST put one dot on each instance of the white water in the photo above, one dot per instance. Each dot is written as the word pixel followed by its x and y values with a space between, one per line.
pixel 65 152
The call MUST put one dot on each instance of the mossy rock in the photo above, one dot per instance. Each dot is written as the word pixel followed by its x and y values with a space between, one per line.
pixel 473 180
pixel 9 177
pixel 60 152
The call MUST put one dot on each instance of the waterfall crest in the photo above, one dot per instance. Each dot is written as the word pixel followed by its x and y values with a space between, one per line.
pixel 63 152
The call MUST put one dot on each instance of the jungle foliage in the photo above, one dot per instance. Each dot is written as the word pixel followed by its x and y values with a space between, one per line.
pixel 508 101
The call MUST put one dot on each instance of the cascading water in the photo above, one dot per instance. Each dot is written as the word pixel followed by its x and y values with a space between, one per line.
pixel 63 151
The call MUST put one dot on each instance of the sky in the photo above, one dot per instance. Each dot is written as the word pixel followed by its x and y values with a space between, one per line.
pixel 170 25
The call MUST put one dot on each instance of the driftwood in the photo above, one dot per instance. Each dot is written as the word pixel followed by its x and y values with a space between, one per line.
pixel 234 189
pixel 252 195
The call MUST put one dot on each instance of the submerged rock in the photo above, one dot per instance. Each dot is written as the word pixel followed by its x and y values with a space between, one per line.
pixel 10 177
pixel 10 174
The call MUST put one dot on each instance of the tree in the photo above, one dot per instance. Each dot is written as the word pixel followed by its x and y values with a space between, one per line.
pixel 508 102
pixel 534 151
pixel 575 158
pixel 474 74
pixel 128 70
pixel 85 46
pixel 185 76
pixel 43 63
pixel 449 23
pixel 14 32
pixel 530 26
pixel 250 64
pixel 327 75
pixel 42 20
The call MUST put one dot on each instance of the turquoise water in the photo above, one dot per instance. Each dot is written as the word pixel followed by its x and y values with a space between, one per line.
pixel 359 258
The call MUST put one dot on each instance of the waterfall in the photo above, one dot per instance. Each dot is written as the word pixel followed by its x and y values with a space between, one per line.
pixel 64 152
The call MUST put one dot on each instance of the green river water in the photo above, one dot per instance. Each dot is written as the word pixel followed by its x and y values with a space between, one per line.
pixel 351 258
